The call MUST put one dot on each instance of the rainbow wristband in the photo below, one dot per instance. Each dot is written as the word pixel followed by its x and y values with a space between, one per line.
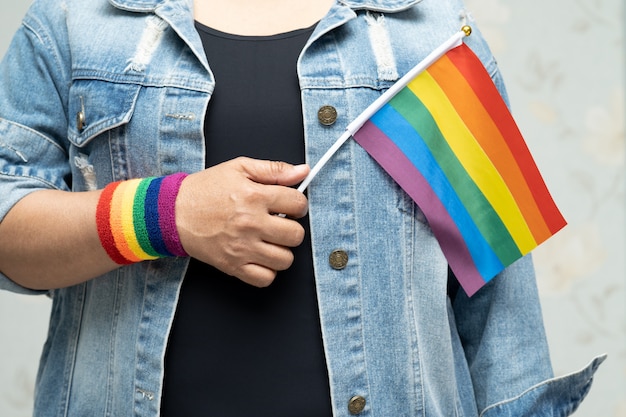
pixel 136 219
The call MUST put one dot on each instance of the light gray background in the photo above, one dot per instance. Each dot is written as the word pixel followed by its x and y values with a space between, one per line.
pixel 563 61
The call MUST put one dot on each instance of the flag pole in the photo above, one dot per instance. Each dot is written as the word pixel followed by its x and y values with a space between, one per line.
pixel 454 41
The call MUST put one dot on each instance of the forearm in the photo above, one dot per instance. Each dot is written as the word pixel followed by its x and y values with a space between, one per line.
pixel 50 240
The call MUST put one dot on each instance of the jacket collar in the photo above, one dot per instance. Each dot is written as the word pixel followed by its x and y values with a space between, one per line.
pixel 388 6
pixel 137 5
pixel 374 5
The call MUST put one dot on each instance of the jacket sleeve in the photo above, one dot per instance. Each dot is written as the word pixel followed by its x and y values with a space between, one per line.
pixel 502 332
pixel 34 80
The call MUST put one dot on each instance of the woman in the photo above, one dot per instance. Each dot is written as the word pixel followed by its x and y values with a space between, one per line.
pixel 342 307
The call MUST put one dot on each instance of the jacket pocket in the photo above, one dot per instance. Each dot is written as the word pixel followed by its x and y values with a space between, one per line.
pixel 554 397
pixel 96 106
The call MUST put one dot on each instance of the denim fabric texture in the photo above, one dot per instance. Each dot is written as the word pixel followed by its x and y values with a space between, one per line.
pixel 136 71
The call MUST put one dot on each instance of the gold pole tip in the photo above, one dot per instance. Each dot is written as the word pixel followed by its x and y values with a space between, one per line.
pixel 467 30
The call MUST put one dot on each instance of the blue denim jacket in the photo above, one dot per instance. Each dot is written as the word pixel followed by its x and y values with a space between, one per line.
pixel 96 91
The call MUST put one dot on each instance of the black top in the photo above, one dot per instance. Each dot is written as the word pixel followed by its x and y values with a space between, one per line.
pixel 236 350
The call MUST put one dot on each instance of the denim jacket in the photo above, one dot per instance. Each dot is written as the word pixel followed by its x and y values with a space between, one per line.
pixel 97 91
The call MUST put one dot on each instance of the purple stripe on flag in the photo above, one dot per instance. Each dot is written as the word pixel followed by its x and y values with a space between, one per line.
pixel 393 160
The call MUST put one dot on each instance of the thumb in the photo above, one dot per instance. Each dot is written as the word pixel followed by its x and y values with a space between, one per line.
pixel 274 172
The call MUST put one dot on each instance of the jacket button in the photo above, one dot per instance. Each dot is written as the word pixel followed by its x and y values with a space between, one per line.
pixel 80 121
pixel 356 405
pixel 338 259
pixel 327 115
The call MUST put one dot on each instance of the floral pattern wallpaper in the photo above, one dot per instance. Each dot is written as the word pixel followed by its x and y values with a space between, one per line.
pixel 564 63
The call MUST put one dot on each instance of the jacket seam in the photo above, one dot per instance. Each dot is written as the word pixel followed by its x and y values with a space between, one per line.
pixel 69 369
pixel 45 39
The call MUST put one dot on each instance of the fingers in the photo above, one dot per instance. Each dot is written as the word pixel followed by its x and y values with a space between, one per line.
pixel 256 275
pixel 255 263
pixel 287 201
pixel 282 232
pixel 274 192
pixel 274 172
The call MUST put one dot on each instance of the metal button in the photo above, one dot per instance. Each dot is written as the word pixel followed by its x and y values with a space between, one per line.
pixel 327 115
pixel 356 405
pixel 80 121
pixel 338 259
pixel 80 116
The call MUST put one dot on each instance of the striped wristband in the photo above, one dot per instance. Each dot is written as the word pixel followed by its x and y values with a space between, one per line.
pixel 136 219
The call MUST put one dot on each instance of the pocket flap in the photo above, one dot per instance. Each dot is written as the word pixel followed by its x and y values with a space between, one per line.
pixel 96 106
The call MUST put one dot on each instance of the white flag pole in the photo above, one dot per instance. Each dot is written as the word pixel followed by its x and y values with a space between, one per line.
pixel 454 41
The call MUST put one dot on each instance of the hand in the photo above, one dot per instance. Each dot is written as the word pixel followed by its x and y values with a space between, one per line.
pixel 226 217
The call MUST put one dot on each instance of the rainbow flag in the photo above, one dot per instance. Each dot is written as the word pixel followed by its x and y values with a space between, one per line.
pixel 448 139
pixel 445 135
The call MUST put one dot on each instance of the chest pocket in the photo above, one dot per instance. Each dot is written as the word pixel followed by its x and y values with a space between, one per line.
pixel 96 106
